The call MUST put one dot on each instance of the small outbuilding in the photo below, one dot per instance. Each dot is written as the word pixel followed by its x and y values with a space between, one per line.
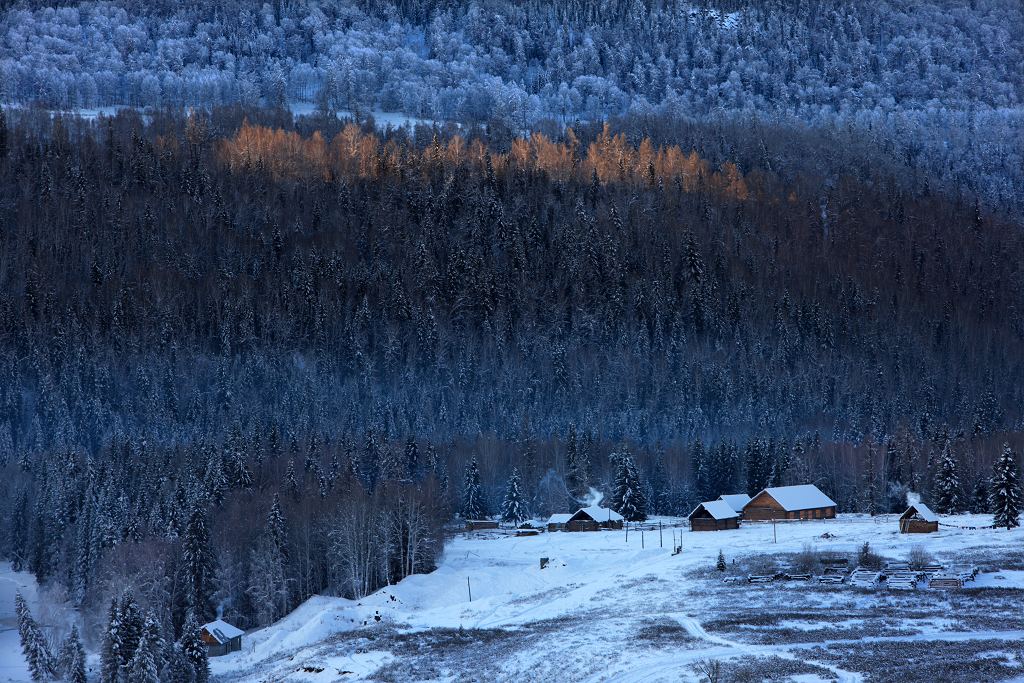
pixel 557 522
pixel 919 519
pixel 478 524
pixel 714 515
pixel 737 501
pixel 593 518
pixel 221 638
pixel 805 501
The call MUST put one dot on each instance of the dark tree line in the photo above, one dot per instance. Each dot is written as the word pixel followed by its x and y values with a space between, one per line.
pixel 239 374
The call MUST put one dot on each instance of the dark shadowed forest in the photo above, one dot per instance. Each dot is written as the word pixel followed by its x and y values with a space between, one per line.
pixel 247 359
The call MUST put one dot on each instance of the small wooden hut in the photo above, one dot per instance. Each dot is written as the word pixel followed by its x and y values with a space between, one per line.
pixel 478 524
pixel 557 522
pixel 804 501
pixel 714 515
pixel 221 638
pixel 593 518
pixel 919 519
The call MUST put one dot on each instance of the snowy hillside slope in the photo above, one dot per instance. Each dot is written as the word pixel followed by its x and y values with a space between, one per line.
pixel 607 609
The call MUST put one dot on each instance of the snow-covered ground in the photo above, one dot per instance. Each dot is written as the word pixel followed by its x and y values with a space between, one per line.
pixel 608 609
pixel 12 664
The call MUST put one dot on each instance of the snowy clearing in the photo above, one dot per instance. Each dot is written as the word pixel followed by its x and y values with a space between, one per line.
pixel 610 610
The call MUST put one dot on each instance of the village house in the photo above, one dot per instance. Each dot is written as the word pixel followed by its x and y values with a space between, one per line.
pixel 737 501
pixel 593 518
pixel 804 501
pixel 221 638
pixel 714 515
pixel 557 522
pixel 919 519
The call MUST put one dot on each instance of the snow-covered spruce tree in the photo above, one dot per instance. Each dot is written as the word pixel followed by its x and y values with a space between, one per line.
pixel 110 655
pixel 628 498
pixel 71 659
pixel 947 484
pixel 33 644
pixel 578 466
pixel 177 668
pixel 513 508
pixel 473 505
pixel 1006 496
pixel 720 564
pixel 193 648
pixel 199 564
pixel 143 666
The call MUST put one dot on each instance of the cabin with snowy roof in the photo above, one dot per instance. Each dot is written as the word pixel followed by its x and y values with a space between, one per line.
pixel 737 501
pixel 714 515
pixel 557 522
pixel 919 519
pixel 221 638
pixel 804 501
pixel 593 518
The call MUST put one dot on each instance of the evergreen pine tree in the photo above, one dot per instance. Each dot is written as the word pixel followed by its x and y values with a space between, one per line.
pixel 143 667
pixel 980 497
pixel 199 564
pixel 628 498
pixel 578 465
pixel 110 655
pixel 177 668
pixel 193 648
pixel 276 528
pixel 513 509
pixel 132 625
pixel 720 564
pixel 947 484
pixel 473 505
pixel 1006 495
pixel 33 643
pixel 71 660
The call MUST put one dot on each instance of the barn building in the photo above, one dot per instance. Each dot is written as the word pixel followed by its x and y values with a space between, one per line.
pixel 221 638
pixel 919 519
pixel 557 522
pixel 593 518
pixel 737 501
pixel 804 501
pixel 714 515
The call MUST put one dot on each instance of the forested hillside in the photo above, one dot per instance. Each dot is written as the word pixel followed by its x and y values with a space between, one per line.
pixel 938 82
pixel 247 360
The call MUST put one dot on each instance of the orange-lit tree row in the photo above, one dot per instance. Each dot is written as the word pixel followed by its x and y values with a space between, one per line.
pixel 354 153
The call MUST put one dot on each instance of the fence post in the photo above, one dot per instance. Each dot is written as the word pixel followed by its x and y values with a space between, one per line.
pixel 470 589
pixel 661 539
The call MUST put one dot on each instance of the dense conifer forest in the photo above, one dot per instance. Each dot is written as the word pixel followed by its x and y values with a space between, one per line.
pixel 249 358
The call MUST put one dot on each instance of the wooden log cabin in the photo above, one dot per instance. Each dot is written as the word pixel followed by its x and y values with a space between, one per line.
pixel 714 515
pixel 804 501
pixel 220 638
pixel 593 518
pixel 919 519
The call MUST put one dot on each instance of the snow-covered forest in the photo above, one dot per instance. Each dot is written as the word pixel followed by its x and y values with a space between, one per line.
pixel 643 252
pixel 938 81
pixel 249 360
